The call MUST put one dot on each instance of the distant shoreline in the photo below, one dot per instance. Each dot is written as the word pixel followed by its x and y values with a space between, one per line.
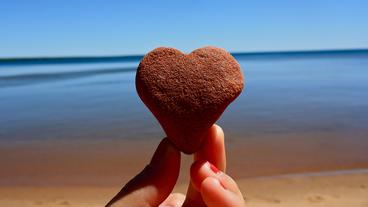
pixel 135 58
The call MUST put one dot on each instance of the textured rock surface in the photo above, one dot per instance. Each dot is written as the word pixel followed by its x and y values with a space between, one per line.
pixel 188 93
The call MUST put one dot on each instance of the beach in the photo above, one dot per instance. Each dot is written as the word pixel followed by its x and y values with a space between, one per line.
pixel 328 189
pixel 90 174
pixel 72 134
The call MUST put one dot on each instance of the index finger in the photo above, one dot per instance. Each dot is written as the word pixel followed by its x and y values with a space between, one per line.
pixel 213 150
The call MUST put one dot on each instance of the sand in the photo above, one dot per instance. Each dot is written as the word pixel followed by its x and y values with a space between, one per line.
pixel 340 188
pixel 345 189
pixel 269 173
pixel 114 162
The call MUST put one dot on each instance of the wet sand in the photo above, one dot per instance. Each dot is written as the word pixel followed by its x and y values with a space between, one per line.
pixel 270 171
pixel 328 189
pixel 115 162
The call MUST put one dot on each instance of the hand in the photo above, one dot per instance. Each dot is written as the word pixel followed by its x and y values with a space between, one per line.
pixel 209 185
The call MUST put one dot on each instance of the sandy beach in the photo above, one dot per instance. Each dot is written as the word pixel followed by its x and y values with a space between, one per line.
pixel 339 189
pixel 65 174
pixel 108 163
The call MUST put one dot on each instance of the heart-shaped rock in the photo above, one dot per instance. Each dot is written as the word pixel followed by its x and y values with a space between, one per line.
pixel 188 93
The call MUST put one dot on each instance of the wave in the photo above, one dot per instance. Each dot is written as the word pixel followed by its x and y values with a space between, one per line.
pixel 27 77
pixel 33 78
pixel 67 60
pixel 137 58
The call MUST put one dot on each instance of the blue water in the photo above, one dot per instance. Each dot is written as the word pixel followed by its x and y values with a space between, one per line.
pixel 96 99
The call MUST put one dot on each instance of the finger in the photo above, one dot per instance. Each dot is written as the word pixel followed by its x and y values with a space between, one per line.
pixel 174 200
pixel 201 170
pixel 212 150
pixel 215 194
pixel 217 188
pixel 154 184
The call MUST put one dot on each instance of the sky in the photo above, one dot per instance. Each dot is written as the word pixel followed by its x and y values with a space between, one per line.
pixel 117 27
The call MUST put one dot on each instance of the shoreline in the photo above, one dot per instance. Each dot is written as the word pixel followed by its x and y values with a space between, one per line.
pixel 326 189
pixel 111 162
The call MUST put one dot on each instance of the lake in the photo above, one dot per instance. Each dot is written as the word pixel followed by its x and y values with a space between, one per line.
pixel 313 103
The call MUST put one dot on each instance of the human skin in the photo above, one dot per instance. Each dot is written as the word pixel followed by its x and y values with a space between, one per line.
pixel 209 186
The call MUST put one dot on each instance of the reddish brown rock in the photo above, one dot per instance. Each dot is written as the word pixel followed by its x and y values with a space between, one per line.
pixel 187 93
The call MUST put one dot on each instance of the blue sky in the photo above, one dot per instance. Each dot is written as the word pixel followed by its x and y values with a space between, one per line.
pixel 109 27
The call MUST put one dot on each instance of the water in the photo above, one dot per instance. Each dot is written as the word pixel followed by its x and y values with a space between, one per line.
pixel 286 93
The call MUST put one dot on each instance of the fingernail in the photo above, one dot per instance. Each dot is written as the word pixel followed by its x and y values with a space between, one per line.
pixel 214 168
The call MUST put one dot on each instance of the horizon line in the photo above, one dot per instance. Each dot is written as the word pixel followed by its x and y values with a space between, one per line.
pixel 139 56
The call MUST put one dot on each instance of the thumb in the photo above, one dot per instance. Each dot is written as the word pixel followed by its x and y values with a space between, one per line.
pixel 217 188
pixel 155 182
